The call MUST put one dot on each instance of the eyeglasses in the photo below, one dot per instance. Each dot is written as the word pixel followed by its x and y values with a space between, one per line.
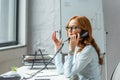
pixel 71 28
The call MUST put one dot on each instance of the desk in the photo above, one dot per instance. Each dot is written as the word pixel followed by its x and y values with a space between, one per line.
pixel 46 74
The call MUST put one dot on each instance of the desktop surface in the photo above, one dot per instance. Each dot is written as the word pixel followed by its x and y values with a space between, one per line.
pixel 46 74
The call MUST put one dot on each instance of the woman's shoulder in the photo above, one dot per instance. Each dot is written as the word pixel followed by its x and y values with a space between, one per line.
pixel 87 51
pixel 88 47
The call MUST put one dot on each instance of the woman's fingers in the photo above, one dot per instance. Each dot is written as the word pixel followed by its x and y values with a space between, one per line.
pixel 54 36
pixel 55 40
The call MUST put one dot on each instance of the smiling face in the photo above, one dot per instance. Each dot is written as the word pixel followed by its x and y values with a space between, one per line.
pixel 73 27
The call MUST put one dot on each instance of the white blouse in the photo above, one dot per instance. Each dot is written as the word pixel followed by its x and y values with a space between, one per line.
pixel 84 64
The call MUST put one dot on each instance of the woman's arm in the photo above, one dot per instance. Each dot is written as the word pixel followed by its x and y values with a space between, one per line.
pixel 59 64
pixel 68 65
pixel 58 58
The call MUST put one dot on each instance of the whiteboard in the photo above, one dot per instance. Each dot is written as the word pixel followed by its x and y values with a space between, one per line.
pixel 93 10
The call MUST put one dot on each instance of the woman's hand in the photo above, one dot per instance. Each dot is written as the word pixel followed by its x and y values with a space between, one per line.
pixel 56 42
pixel 74 39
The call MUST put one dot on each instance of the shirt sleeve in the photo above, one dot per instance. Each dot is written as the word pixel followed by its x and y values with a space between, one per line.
pixel 68 65
pixel 82 60
pixel 59 64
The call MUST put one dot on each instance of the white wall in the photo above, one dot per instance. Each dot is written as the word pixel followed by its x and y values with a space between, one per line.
pixel 112 25
pixel 43 19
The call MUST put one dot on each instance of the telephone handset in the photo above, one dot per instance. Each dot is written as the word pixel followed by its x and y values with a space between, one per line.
pixel 83 34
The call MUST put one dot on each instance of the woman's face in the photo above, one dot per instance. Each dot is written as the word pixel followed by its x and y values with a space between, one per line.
pixel 73 28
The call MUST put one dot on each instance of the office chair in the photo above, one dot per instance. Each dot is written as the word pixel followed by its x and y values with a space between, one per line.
pixel 116 73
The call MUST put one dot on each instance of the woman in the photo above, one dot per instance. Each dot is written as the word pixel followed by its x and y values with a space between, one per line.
pixel 83 57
